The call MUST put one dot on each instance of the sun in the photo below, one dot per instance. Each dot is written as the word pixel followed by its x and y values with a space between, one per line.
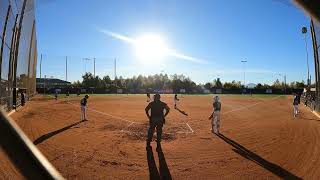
pixel 151 48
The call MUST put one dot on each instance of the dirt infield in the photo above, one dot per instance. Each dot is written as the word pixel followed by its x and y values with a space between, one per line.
pixel 260 138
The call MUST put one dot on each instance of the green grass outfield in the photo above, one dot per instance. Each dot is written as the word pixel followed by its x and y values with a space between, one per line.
pixel 51 96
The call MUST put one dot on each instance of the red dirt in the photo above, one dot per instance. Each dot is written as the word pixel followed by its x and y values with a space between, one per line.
pixel 261 139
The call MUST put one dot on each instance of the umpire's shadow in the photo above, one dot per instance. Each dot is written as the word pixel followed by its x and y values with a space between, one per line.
pixel 164 172
pixel 53 133
pixel 246 153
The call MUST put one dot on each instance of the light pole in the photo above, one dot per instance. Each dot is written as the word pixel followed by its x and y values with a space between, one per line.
pixel 66 68
pixel 244 73
pixel 94 67
pixel 304 31
pixel 44 84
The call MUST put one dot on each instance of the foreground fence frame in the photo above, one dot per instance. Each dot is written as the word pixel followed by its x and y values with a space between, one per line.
pixel 23 153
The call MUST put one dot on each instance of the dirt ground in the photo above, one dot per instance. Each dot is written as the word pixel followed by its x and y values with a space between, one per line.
pixel 259 138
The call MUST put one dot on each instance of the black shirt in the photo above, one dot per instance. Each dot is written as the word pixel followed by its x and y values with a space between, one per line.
pixel 216 106
pixel 83 102
pixel 296 101
pixel 157 108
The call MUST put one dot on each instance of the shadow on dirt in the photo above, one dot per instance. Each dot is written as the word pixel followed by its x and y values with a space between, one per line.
pixel 310 119
pixel 51 134
pixel 182 112
pixel 164 172
pixel 246 153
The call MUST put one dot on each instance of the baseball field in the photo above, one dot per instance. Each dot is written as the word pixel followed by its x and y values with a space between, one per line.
pixel 260 138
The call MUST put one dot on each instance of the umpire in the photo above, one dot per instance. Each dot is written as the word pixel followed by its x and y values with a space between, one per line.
pixel 157 118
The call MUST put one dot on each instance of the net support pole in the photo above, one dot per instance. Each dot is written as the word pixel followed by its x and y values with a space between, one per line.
pixel 4 36
pixel 316 64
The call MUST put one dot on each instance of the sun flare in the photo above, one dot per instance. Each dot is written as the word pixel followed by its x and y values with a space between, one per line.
pixel 151 49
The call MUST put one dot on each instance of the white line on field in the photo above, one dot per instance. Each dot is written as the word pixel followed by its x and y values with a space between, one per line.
pixel 116 117
pixel 106 114
pixel 190 128
pixel 246 107
pixel 127 126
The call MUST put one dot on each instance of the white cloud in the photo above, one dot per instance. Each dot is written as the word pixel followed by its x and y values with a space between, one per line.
pixel 117 36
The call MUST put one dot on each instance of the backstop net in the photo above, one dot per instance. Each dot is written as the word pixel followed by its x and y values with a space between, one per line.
pixel 315 32
pixel 18 51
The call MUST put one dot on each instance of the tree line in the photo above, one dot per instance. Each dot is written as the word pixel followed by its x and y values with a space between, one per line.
pixel 174 82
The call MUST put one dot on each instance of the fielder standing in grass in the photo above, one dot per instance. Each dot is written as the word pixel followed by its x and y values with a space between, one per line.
pixel 175 100
pixel 215 116
pixel 83 107
pixel 156 119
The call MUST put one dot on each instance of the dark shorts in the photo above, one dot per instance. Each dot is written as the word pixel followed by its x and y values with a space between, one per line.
pixel 157 120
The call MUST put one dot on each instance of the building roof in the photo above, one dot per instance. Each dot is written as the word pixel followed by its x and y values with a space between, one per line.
pixel 51 80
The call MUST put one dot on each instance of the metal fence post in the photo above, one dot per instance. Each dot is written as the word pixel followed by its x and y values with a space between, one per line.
pixel 316 64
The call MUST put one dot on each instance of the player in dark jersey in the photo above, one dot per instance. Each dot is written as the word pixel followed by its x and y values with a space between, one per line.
pixel 175 100
pixel 23 98
pixel 295 105
pixel 156 118
pixel 148 97
pixel 215 116
pixel 56 95
pixel 83 107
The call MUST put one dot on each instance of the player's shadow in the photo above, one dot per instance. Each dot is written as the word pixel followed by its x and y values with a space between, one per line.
pixel 182 112
pixel 246 153
pixel 154 174
pixel 53 133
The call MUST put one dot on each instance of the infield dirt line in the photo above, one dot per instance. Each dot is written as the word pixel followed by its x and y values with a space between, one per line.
pixel 190 128
pixel 246 107
pixel 127 126
pixel 106 114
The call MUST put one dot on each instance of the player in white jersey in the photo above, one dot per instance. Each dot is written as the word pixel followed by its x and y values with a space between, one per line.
pixel 83 108
pixel 215 116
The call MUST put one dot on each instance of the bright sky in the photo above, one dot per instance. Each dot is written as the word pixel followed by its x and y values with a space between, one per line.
pixel 203 39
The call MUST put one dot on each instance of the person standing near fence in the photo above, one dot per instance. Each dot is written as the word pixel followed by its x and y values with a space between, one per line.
pixel 295 106
pixel 83 107
pixel 23 98
pixel 313 102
